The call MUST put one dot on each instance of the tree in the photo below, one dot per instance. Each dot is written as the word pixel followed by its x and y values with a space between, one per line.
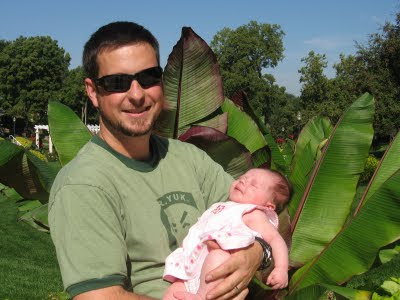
pixel 375 69
pixel 32 71
pixel 283 114
pixel 73 94
pixel 317 89
pixel 243 54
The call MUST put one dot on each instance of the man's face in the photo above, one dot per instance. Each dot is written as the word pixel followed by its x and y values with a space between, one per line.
pixel 131 113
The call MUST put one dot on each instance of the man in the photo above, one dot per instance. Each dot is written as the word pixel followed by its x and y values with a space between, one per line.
pixel 129 197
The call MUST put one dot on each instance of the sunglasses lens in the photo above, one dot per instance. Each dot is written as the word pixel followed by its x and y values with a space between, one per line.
pixel 149 77
pixel 119 83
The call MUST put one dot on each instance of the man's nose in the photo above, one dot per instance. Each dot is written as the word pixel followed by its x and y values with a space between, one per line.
pixel 136 93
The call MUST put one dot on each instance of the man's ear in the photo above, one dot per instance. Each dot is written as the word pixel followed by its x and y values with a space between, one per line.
pixel 91 91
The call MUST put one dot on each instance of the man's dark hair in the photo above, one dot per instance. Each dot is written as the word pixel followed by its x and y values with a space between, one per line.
pixel 112 36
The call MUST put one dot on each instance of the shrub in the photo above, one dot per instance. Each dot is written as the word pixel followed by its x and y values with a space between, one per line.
pixel 370 166
pixel 26 143
pixel 38 154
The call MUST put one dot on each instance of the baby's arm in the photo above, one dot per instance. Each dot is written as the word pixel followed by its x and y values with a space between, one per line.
pixel 258 221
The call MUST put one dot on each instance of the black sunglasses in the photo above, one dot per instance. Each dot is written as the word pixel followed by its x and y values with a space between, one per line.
pixel 118 83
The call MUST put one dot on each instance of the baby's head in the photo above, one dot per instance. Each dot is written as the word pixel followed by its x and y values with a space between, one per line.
pixel 261 187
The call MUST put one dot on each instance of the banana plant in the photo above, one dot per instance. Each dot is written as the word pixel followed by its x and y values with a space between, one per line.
pixel 355 243
pixel 333 160
pixel 327 248
pixel 309 146
pixel 196 110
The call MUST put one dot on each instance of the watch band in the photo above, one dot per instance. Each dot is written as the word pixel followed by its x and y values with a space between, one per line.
pixel 267 251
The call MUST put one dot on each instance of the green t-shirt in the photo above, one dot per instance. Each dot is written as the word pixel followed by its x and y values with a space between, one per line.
pixel 114 220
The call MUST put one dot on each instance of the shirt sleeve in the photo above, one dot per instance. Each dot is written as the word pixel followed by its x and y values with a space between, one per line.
pixel 87 230
pixel 215 182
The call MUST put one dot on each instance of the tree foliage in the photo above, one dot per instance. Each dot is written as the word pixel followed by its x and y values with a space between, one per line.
pixel 32 71
pixel 73 94
pixel 243 54
pixel 374 68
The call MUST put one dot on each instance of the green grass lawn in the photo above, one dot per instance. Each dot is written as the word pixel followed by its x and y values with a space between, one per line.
pixel 28 264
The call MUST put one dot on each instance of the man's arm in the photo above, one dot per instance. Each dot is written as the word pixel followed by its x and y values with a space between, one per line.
pixel 237 272
pixel 110 293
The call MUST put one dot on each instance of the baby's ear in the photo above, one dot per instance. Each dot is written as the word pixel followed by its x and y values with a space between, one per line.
pixel 270 206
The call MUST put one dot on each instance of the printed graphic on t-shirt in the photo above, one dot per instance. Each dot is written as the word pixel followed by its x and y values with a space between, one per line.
pixel 178 213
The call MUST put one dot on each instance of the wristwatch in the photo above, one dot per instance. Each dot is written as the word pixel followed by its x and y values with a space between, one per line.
pixel 267 251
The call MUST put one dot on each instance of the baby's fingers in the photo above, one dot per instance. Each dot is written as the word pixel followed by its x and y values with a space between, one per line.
pixel 271 280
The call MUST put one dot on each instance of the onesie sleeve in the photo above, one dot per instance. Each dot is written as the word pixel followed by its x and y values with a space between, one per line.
pixel 87 230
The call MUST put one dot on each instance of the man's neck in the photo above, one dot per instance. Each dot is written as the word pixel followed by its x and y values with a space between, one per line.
pixel 137 147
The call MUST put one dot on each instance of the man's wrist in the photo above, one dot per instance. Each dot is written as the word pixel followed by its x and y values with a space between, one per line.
pixel 267 254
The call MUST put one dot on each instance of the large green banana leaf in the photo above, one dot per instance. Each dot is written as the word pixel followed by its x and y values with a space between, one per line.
pixel 67 131
pixel 192 85
pixel 231 155
pixel 37 218
pixel 46 172
pixel 262 158
pixel 242 128
pixel 24 172
pixel 328 197
pixel 288 151
pixel 353 250
pixel 278 161
pixel 299 177
pixel 314 133
pixel 389 164
pixel 318 291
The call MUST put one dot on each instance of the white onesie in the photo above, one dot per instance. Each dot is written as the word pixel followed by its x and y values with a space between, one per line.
pixel 223 223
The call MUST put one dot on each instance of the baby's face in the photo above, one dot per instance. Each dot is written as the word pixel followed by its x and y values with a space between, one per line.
pixel 255 187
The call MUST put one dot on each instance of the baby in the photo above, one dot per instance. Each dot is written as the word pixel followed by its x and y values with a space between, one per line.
pixel 234 224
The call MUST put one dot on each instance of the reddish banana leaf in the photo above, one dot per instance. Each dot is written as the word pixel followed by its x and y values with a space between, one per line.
pixel 353 250
pixel 326 202
pixel 192 85
pixel 219 122
pixel 231 155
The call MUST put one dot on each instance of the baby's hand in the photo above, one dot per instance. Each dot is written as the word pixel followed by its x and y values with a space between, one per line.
pixel 278 279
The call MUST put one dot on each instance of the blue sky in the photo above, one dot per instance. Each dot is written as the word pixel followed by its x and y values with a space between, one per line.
pixel 327 27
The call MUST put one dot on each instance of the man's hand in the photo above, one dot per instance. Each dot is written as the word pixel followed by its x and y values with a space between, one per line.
pixel 238 270
pixel 278 279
